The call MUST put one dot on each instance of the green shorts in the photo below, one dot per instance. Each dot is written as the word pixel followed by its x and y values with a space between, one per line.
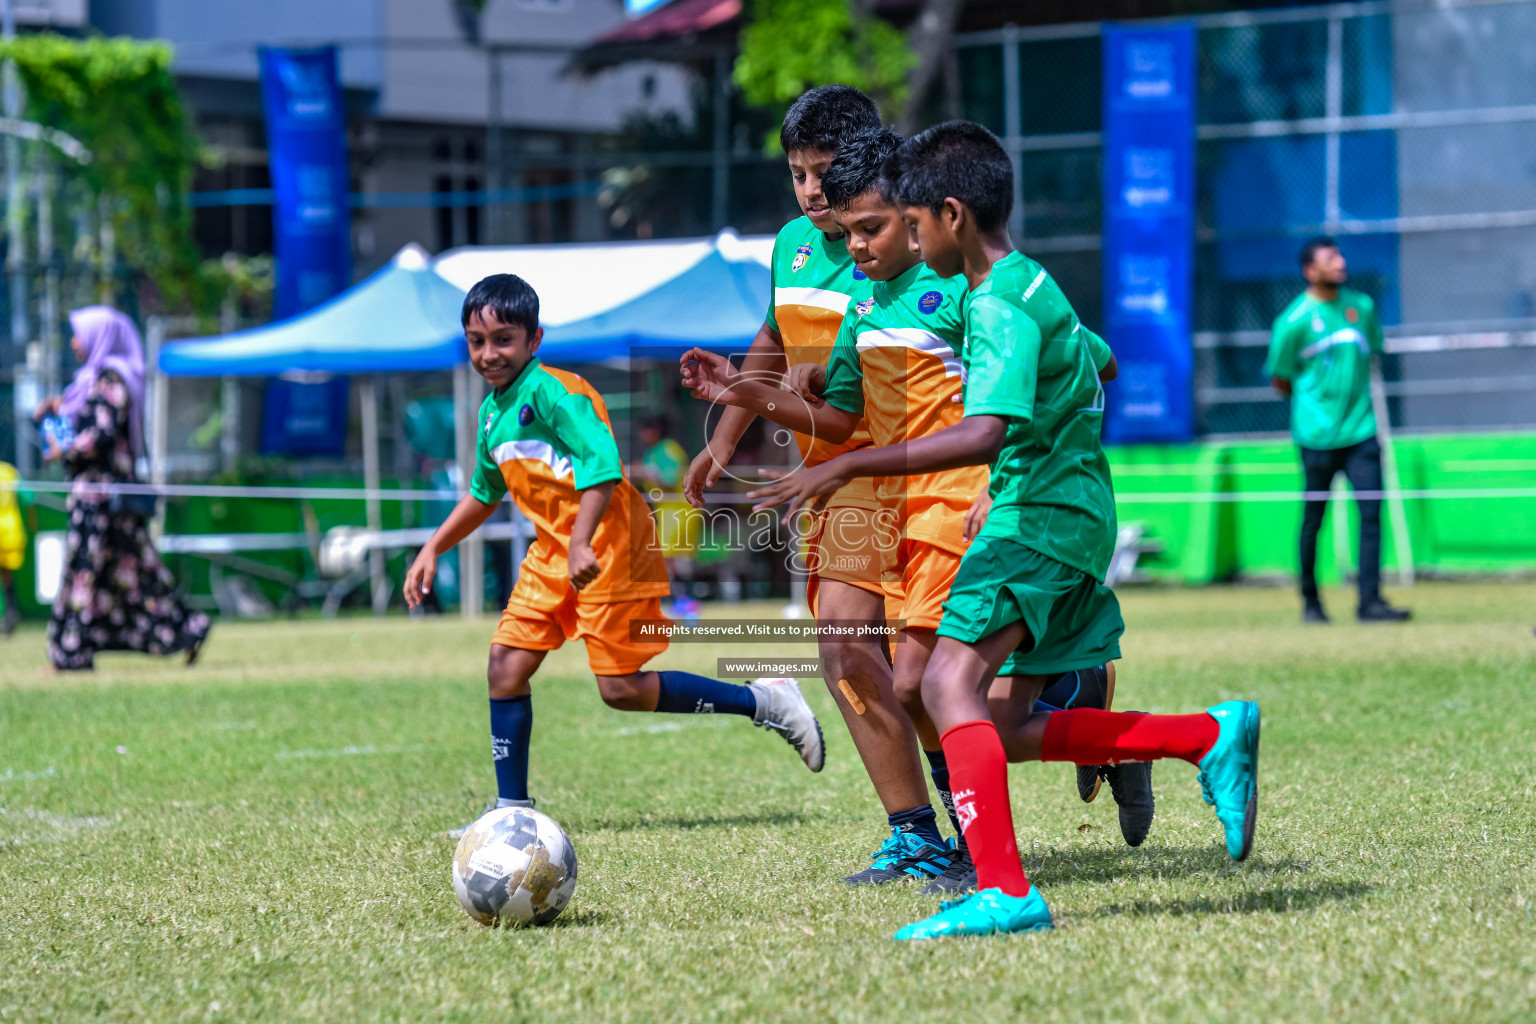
pixel 1073 620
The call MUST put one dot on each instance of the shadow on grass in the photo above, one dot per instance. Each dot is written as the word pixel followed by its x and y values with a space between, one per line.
pixel 701 822
pixel 1061 867
pixel 1281 899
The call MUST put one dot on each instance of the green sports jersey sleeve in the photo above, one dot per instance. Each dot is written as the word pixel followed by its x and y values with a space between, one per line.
pixel 845 373
pixel 1098 349
pixel 581 430
pixel 1002 353
pixel 1281 362
pixel 487 485
pixel 1372 327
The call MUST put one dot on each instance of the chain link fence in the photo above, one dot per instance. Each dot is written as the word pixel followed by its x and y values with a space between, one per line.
pixel 1402 128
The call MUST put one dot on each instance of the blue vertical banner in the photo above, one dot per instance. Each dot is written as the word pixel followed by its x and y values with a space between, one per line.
pixel 1149 231
pixel 307 153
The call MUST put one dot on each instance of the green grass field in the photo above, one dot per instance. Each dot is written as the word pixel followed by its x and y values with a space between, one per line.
pixel 259 839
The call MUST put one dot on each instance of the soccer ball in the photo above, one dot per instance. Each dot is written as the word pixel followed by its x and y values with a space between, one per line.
pixel 514 866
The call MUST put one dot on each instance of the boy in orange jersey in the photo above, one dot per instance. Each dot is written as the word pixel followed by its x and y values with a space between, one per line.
pixel 544 438
pixel 813 280
pixel 896 368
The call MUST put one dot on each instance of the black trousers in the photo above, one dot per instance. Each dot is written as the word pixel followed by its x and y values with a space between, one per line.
pixel 1361 465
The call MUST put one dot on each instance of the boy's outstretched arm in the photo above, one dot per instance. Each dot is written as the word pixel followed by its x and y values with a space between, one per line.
pixel 766 355
pixel 712 378
pixel 974 441
pixel 465 518
pixel 581 560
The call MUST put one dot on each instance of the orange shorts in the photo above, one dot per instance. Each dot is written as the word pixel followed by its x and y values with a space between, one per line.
pixel 605 628
pixel 919 593
pixel 847 544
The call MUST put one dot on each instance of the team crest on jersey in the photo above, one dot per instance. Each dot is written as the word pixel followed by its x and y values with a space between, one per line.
pixel 1317 323
pixel 802 253
pixel 525 415
pixel 1352 315
pixel 930 302
pixel 489 419
pixel 863 308
pixel 859 275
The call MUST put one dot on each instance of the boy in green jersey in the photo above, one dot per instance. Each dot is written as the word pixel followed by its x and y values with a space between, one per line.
pixel 1320 358
pixel 896 368
pixel 1028 601
pixel 814 279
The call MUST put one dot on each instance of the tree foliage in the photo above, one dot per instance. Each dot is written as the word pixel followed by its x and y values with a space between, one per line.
pixel 120 99
pixel 793 45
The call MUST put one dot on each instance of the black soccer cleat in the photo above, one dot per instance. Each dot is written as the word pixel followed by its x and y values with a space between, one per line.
pixel 902 858
pixel 1379 611
pixel 959 877
pixel 1312 614
pixel 1131 784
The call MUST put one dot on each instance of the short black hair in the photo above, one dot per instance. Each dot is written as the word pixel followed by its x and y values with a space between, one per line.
pixel 860 167
pixel 826 116
pixel 959 160
pixel 506 296
pixel 654 421
pixel 1312 245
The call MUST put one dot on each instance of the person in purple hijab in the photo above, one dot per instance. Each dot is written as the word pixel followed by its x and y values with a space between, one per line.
pixel 116 595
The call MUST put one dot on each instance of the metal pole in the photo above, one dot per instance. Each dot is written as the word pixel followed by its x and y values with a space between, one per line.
pixel 1397 514
pixel 15 221
pixel 493 155
pixel 1013 127
pixel 465 435
pixel 369 393
pixel 159 418
pixel 48 313
pixel 1333 110
pixel 720 179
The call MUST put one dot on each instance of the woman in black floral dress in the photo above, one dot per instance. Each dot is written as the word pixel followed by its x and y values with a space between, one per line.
pixel 116 594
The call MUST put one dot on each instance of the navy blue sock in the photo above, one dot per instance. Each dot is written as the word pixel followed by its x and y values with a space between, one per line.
pixel 920 821
pixel 511 725
pixel 683 693
pixel 938 770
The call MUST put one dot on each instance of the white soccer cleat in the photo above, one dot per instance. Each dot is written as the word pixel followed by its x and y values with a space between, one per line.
pixel 783 708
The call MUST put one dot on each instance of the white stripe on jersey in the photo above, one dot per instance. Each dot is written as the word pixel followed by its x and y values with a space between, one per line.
pixel 538 451
pixel 816 298
pixel 1033 285
pixel 913 337
pixel 1342 336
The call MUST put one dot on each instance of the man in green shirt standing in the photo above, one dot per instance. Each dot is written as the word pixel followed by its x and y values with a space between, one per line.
pixel 1320 358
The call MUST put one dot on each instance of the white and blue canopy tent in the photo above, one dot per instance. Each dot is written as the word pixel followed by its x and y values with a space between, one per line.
pixel 598 302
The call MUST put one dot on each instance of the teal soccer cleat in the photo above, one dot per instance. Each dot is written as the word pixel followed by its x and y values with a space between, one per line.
pixel 986 912
pixel 902 858
pixel 1229 773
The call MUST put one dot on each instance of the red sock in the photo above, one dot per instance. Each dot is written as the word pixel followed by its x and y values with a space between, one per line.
pixel 978 778
pixel 1090 736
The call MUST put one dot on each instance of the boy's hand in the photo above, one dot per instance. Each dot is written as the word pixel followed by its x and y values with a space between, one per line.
pixel 703 471
pixel 582 563
pixel 807 487
pixel 976 515
pixel 709 375
pixel 807 380
pixel 418 578
pixel 46 407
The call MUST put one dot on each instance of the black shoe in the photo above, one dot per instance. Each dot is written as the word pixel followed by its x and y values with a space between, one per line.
pixel 1131 784
pixel 1094 688
pixel 959 877
pixel 1313 614
pixel 10 620
pixel 1379 611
